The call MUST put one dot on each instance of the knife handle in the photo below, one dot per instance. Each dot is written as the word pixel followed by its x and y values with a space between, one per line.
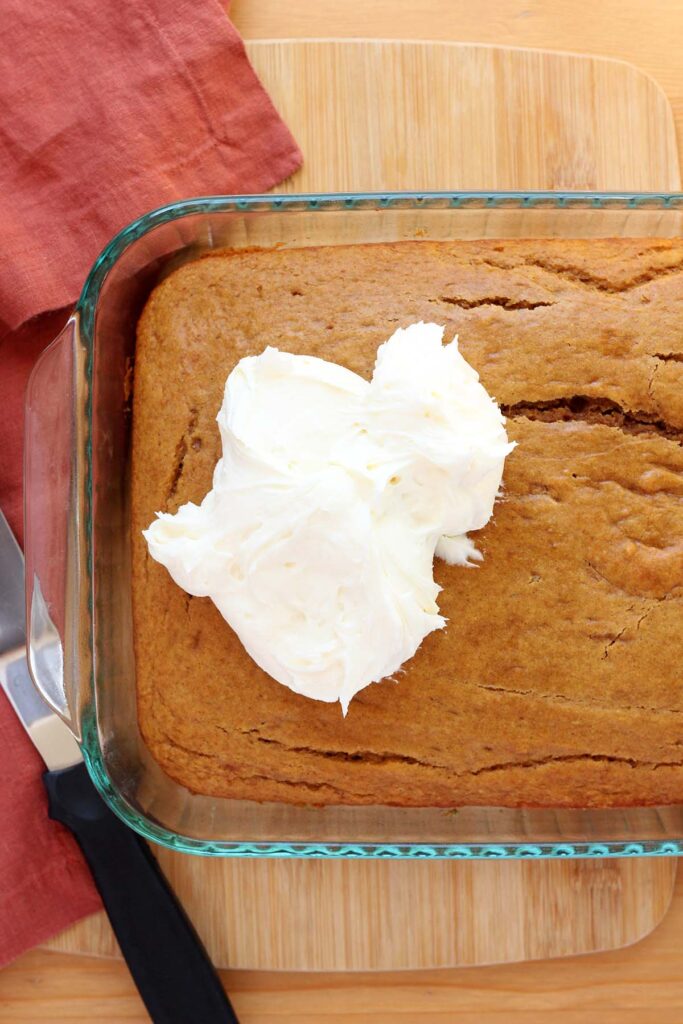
pixel 169 965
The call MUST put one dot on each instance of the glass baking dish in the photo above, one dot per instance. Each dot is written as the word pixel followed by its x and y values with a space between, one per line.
pixel 78 542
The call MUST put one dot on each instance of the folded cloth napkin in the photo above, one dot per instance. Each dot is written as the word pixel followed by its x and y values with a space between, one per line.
pixel 107 110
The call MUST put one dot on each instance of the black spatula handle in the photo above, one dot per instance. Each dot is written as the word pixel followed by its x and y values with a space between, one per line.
pixel 171 968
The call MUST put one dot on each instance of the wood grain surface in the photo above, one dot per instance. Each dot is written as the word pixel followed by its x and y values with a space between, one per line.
pixel 642 984
pixel 375 115
pixel 370 115
pixel 647 33
pixel 359 915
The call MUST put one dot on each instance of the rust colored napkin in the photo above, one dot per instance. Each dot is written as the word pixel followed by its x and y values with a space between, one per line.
pixel 107 110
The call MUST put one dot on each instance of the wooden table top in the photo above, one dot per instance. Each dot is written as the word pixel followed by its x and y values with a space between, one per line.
pixel 642 984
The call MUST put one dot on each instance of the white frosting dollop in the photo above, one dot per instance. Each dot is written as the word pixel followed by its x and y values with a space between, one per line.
pixel 333 494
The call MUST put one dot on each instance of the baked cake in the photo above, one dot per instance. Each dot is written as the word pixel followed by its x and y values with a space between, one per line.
pixel 557 681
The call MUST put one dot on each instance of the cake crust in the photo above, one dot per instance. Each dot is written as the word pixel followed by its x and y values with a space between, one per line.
pixel 557 681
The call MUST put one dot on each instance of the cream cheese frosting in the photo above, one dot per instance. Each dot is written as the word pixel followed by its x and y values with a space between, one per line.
pixel 332 496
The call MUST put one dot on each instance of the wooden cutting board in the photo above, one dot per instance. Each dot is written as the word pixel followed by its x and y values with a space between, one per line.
pixel 372 115
pixel 389 115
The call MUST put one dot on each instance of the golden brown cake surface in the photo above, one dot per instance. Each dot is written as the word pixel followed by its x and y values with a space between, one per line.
pixel 558 680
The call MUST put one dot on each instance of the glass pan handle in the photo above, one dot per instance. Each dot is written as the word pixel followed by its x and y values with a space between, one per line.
pixel 57 615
